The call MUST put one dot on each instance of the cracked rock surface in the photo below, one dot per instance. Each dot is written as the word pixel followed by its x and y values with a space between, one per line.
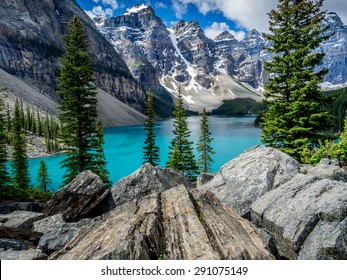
pixel 307 218
pixel 175 224
pixel 243 180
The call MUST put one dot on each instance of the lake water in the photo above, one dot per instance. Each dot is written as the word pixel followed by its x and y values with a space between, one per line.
pixel 123 146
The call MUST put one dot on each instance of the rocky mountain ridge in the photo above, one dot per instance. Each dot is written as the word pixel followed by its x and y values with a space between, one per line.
pixel 167 60
pixel 207 71
pixel 31 44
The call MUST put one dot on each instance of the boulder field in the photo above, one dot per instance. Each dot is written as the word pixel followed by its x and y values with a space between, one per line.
pixel 262 205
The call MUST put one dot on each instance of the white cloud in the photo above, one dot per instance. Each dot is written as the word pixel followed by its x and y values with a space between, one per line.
pixel 218 27
pixel 112 3
pixel 99 11
pixel 160 5
pixel 248 13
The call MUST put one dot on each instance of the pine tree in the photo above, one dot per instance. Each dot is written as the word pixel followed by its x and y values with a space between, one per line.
pixel 4 175
pixel 204 147
pixel 150 149
pixel 43 177
pixel 39 125
pixel 20 161
pixel 99 166
pixel 181 157
pixel 48 135
pixel 295 117
pixel 8 124
pixel 78 116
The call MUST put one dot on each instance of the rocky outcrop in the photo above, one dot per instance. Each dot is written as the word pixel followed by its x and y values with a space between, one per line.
pixel 147 180
pixel 299 211
pixel 243 180
pixel 20 219
pixel 57 233
pixel 306 217
pixel 326 169
pixel 175 224
pixel 8 208
pixel 83 197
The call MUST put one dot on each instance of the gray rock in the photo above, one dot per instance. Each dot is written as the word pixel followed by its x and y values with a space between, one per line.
pixel 328 241
pixel 204 178
pixel 83 197
pixel 305 209
pixel 175 224
pixel 246 178
pixel 56 237
pixel 22 206
pixel 48 223
pixel 20 219
pixel 15 244
pixel 23 255
pixel 146 180
pixel 326 169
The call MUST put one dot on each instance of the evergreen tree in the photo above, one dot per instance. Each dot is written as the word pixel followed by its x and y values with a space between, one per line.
pixel 8 124
pixel 181 156
pixel 48 135
pixel 99 166
pixel 150 149
pixel 78 116
pixel 20 161
pixel 204 145
pixel 295 117
pixel 43 177
pixel 39 125
pixel 4 176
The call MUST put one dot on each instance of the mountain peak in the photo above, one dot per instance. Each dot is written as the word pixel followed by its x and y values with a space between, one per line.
pixel 137 8
pixel 225 35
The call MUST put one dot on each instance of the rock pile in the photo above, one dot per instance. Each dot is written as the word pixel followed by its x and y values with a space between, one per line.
pixel 292 211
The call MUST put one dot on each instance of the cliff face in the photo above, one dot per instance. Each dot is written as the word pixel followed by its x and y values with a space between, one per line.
pixel 31 44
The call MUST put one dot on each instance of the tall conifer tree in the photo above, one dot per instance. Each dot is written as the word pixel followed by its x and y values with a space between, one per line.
pixel 204 147
pixel 43 177
pixel 99 162
pixel 181 156
pixel 78 116
pixel 150 149
pixel 21 178
pixel 4 175
pixel 295 116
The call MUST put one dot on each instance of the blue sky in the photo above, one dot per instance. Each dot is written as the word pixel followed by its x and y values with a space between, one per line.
pixel 214 16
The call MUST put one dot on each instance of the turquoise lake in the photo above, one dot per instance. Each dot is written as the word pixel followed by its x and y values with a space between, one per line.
pixel 123 146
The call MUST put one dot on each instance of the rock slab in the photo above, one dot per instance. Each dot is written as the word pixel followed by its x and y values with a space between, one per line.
pixel 243 180
pixel 146 180
pixel 83 197
pixel 178 223
pixel 306 217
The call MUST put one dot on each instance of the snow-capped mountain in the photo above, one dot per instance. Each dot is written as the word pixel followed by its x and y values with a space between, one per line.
pixel 206 71
pixel 166 60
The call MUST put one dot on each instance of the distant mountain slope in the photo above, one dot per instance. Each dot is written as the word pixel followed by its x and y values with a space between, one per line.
pixel 31 44
pixel 112 112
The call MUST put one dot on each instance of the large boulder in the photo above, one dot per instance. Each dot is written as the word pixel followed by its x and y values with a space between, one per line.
pixel 20 219
pixel 326 169
pixel 243 180
pixel 146 180
pixel 176 224
pixel 306 218
pixel 83 197
pixel 8 208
